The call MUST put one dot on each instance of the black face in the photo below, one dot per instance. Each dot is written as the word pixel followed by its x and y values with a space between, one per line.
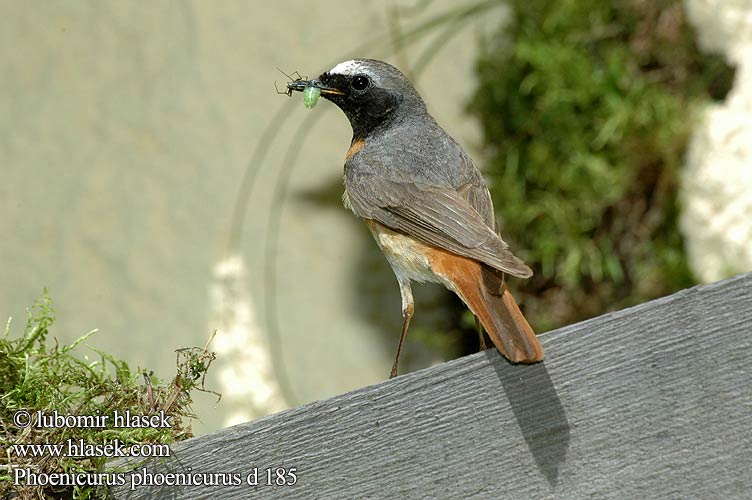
pixel 366 105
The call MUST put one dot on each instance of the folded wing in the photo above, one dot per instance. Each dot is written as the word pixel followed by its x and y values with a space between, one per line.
pixel 437 215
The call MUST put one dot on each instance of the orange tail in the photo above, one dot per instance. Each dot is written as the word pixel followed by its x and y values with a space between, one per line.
pixel 484 292
pixel 509 330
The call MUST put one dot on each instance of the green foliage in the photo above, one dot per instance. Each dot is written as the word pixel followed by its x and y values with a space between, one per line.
pixel 36 376
pixel 587 107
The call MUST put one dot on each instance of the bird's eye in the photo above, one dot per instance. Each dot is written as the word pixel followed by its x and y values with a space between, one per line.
pixel 360 82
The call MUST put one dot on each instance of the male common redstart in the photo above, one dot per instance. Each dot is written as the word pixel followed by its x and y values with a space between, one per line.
pixel 425 201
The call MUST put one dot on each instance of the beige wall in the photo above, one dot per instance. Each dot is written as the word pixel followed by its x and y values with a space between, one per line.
pixel 127 127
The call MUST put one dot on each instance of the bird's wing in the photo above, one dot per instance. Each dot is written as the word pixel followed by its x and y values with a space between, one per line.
pixel 475 192
pixel 440 216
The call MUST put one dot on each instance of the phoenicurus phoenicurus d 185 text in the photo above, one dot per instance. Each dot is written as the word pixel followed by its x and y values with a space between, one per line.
pixel 424 201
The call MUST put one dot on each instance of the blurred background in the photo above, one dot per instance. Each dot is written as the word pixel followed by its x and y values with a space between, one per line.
pixel 155 182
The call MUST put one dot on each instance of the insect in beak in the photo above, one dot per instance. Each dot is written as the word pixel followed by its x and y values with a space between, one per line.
pixel 311 89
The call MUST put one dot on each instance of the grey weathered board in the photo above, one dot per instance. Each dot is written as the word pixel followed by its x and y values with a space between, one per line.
pixel 652 402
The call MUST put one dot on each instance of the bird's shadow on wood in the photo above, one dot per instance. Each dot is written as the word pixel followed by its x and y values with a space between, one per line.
pixel 538 411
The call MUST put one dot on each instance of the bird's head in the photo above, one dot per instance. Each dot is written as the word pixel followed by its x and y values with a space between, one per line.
pixel 371 93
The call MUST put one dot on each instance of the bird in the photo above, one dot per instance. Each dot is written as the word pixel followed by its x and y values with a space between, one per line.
pixel 424 201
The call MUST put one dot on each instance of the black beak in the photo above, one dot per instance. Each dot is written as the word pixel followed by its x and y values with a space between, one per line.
pixel 300 86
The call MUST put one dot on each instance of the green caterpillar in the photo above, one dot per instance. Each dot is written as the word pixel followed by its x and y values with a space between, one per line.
pixel 311 97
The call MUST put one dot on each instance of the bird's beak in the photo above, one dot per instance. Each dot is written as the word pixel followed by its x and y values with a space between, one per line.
pixel 301 85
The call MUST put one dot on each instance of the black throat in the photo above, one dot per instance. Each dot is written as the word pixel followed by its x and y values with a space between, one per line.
pixel 368 115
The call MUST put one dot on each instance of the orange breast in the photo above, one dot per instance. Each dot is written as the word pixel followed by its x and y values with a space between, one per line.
pixel 354 148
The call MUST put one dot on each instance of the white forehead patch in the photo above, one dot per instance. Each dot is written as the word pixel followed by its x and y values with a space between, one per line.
pixel 348 68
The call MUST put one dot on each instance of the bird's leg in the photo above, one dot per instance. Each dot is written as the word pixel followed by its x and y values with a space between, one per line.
pixel 407 313
pixel 481 338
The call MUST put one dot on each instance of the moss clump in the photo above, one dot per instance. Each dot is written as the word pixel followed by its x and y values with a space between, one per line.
pixel 587 107
pixel 36 376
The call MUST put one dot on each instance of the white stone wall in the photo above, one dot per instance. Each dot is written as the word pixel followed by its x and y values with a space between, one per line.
pixel 717 181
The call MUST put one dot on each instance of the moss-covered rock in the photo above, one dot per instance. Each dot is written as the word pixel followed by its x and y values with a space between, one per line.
pixel 587 107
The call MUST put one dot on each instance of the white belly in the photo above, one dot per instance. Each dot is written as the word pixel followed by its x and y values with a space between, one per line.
pixel 406 256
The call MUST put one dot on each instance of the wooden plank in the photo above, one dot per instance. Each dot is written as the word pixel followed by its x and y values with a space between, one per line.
pixel 654 401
